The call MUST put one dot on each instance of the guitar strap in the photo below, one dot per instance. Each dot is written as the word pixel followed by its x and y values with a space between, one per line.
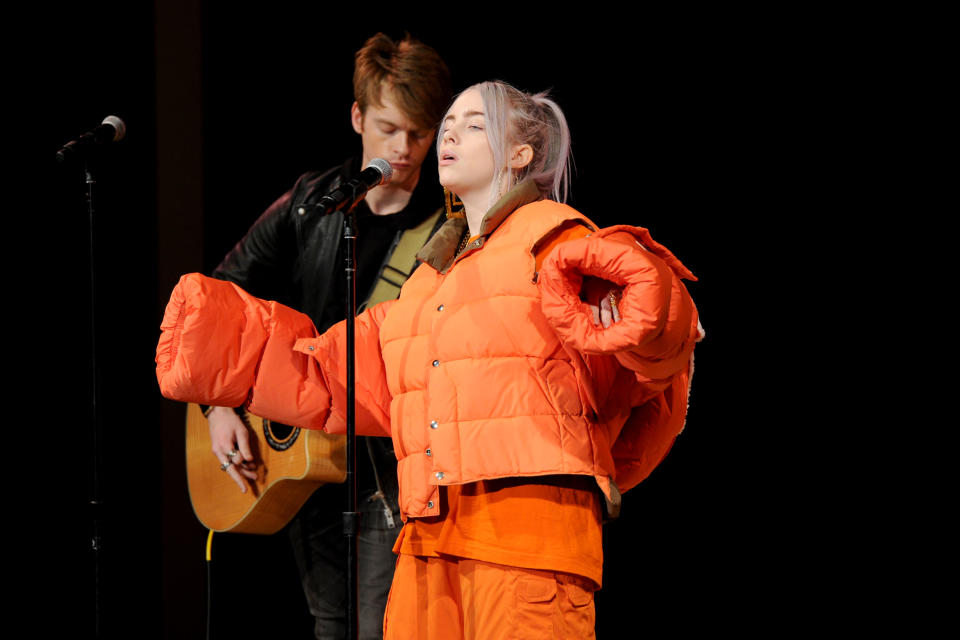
pixel 401 260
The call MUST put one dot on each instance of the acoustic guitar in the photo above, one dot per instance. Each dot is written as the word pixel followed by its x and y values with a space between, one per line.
pixel 291 464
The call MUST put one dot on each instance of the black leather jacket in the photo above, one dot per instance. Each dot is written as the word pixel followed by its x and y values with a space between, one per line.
pixel 298 260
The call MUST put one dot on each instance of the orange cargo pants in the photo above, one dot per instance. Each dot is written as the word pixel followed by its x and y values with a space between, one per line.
pixel 449 598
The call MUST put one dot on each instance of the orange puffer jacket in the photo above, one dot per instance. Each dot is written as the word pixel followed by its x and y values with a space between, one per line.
pixel 482 369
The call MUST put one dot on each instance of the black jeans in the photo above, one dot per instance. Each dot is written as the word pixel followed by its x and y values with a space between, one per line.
pixel 321 553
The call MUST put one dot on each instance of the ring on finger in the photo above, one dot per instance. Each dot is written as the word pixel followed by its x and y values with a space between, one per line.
pixel 232 454
pixel 226 465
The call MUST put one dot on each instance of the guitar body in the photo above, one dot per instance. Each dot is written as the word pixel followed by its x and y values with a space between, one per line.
pixel 291 464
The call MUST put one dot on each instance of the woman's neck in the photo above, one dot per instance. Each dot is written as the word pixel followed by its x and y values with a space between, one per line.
pixel 475 207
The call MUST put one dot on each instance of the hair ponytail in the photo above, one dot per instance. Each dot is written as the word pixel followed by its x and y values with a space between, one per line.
pixel 552 173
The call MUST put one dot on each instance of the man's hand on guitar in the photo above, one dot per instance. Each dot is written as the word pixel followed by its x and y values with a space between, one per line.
pixel 230 441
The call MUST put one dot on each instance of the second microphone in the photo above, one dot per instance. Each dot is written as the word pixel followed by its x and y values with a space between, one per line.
pixel 353 191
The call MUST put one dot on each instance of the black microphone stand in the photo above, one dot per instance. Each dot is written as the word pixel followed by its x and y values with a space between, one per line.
pixel 351 517
pixel 96 504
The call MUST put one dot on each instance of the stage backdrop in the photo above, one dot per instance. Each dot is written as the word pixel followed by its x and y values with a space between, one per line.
pixel 225 107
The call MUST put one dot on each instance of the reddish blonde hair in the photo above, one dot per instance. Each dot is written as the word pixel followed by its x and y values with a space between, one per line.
pixel 414 73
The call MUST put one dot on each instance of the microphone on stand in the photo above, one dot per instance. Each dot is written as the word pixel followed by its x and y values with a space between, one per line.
pixel 346 195
pixel 112 129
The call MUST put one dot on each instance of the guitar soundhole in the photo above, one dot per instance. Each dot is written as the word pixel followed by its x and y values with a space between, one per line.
pixel 279 436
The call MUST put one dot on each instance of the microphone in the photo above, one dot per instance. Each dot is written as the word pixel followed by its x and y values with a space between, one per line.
pixel 377 172
pixel 112 129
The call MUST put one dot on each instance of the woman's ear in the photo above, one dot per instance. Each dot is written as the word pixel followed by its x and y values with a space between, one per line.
pixel 522 156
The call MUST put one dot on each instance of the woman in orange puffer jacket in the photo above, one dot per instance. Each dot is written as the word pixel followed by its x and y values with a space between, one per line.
pixel 531 370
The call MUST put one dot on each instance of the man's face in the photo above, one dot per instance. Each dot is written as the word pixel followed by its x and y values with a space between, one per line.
pixel 388 133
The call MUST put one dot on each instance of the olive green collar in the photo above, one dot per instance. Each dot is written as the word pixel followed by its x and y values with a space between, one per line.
pixel 441 251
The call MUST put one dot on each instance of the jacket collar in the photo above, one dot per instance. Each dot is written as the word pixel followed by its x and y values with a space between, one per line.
pixel 441 251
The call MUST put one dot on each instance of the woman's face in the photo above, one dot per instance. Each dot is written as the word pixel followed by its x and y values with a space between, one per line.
pixel 464 156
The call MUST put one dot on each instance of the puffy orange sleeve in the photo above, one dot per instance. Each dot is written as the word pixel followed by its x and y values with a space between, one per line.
pixel 371 392
pixel 654 339
pixel 658 323
pixel 571 232
pixel 219 345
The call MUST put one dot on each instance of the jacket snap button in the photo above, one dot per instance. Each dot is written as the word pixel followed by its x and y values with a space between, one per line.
pixel 430 504
pixel 440 308
pixel 310 347
pixel 434 424
pixel 429 452
pixel 436 363
pixel 439 475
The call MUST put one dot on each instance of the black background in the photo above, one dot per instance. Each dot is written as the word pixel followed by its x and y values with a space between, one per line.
pixel 697 127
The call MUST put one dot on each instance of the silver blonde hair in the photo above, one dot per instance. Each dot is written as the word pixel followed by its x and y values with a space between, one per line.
pixel 514 117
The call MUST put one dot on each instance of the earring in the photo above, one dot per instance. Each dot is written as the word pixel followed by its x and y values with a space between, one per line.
pixel 453 205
